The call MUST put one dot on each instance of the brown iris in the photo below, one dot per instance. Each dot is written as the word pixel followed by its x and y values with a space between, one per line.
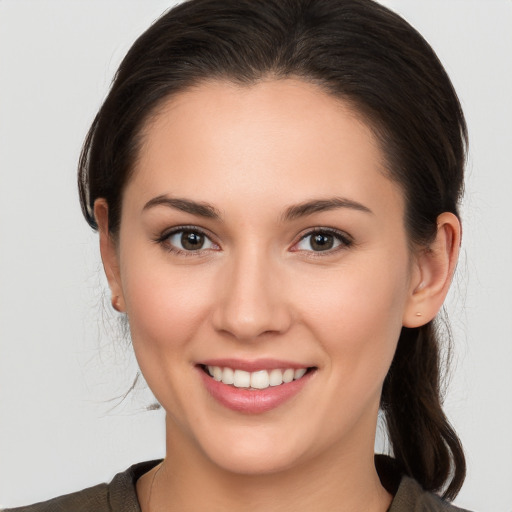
pixel 192 241
pixel 322 242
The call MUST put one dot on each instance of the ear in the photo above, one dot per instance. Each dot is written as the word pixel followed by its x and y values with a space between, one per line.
pixel 433 271
pixel 109 254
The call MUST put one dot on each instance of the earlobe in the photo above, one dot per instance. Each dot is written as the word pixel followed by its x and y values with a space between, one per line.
pixel 109 254
pixel 433 273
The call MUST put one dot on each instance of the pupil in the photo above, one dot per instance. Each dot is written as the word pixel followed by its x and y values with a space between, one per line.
pixel 322 242
pixel 192 241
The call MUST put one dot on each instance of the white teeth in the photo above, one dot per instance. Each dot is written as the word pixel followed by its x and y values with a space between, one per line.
pixel 242 379
pixel 261 379
pixel 299 373
pixel 288 375
pixel 228 376
pixel 276 377
pixel 217 373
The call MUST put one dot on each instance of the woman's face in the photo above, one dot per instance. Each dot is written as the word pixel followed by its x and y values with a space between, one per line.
pixel 260 234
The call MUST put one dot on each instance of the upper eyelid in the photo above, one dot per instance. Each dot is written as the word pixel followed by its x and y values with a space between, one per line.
pixel 163 240
pixel 177 229
pixel 333 231
pixel 343 238
pixel 305 233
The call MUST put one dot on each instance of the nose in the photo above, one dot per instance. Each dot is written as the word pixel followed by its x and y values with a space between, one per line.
pixel 252 300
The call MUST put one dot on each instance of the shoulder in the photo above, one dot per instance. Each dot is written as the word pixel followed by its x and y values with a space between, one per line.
pixel 411 497
pixel 118 496
pixel 408 494
pixel 93 498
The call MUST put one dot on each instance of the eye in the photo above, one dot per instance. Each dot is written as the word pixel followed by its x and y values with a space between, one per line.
pixel 187 240
pixel 323 240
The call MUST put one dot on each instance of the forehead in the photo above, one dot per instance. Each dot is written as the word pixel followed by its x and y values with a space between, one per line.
pixel 258 141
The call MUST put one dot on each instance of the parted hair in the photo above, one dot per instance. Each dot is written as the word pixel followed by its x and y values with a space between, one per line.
pixel 363 54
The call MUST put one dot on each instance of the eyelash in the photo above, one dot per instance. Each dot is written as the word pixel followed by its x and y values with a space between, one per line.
pixel 163 240
pixel 345 241
pixel 343 238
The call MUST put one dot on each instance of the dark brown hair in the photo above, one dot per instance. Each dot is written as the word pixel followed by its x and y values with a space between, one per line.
pixel 355 50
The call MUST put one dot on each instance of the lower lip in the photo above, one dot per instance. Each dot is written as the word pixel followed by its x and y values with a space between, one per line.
pixel 253 401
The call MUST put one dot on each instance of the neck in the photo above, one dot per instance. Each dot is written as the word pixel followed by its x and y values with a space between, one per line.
pixel 342 482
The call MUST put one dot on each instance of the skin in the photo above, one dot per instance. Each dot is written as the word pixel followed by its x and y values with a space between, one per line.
pixel 258 290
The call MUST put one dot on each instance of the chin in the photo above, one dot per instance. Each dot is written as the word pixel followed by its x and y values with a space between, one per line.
pixel 251 453
pixel 254 462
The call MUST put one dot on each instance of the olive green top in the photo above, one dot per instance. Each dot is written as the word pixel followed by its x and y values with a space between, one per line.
pixel 120 495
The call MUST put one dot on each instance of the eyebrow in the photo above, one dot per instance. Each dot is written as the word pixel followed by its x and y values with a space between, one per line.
pixel 206 210
pixel 200 209
pixel 322 205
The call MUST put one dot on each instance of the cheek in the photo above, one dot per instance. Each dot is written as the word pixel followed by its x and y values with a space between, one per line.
pixel 356 314
pixel 166 308
pixel 165 303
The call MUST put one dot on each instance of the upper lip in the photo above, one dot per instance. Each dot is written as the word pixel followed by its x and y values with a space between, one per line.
pixel 254 365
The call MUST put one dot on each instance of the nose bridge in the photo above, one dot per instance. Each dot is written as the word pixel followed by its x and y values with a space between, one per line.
pixel 252 302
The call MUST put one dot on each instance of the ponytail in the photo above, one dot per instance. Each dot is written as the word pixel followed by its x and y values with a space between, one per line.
pixel 424 443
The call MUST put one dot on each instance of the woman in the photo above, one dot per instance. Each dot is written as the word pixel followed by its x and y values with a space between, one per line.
pixel 276 187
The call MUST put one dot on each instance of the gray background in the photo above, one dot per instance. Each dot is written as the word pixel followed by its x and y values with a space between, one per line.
pixel 61 356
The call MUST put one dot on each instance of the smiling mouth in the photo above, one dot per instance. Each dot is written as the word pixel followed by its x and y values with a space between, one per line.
pixel 258 380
